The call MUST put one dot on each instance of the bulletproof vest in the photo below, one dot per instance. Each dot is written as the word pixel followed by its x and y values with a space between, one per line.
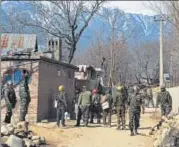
pixel 136 101
pixel 164 98
pixel 120 98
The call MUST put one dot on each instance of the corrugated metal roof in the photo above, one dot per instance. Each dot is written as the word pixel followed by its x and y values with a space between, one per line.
pixel 11 43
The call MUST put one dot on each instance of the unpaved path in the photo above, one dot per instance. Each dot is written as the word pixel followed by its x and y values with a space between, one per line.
pixel 96 136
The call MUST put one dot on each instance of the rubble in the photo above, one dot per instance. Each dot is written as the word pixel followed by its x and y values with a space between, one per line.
pixel 20 136
pixel 168 133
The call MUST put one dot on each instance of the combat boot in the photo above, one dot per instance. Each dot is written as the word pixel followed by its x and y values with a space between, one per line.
pixel 132 133
pixel 136 132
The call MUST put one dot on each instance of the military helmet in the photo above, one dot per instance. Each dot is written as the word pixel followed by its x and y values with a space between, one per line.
pixel 162 87
pixel 118 88
pixel 61 88
pixel 9 83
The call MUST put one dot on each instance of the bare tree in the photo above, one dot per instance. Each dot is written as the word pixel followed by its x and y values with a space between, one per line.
pixel 63 19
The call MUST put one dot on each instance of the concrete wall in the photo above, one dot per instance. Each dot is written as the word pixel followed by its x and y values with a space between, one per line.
pixel 175 96
pixel 50 77
pixel 31 66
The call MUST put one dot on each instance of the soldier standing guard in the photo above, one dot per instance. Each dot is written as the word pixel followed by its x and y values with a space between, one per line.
pixel 84 104
pixel 165 100
pixel 134 111
pixel 24 96
pixel 120 102
pixel 61 100
pixel 95 106
pixel 10 99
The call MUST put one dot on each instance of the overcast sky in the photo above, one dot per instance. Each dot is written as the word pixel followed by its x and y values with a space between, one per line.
pixel 139 7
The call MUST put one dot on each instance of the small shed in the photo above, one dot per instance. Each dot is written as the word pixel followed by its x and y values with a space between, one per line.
pixel 45 77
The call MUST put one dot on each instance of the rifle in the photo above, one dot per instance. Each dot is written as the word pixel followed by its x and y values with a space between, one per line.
pixel 157 126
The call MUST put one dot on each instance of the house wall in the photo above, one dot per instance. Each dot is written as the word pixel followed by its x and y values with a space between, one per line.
pixel 50 77
pixel 31 66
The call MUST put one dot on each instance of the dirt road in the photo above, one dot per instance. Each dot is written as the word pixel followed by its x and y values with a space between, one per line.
pixel 96 136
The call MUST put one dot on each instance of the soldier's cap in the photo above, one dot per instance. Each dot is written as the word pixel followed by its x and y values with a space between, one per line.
pixel 162 87
pixel 9 83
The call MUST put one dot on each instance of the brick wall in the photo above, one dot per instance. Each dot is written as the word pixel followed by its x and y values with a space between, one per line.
pixel 31 66
pixel 50 77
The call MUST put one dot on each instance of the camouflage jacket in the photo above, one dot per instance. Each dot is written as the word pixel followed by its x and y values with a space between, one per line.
pixel 61 99
pixel 120 99
pixel 10 97
pixel 24 90
pixel 135 103
pixel 164 99
pixel 85 98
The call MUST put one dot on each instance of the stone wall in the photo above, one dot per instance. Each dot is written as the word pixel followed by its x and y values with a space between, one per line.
pixel 31 66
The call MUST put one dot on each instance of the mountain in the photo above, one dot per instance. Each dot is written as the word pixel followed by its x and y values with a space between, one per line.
pixel 136 27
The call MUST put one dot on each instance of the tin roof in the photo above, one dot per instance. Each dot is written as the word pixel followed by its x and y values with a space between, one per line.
pixel 13 43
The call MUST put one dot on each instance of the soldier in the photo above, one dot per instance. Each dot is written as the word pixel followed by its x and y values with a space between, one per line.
pixel 61 100
pixel 134 111
pixel 144 97
pixel 99 85
pixel 95 106
pixel 120 101
pixel 165 100
pixel 10 99
pixel 24 96
pixel 77 94
pixel 150 98
pixel 107 112
pixel 84 104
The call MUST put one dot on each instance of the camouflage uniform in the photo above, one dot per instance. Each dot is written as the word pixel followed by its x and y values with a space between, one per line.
pixel 150 98
pixel 95 108
pixel 61 107
pixel 134 112
pixel 24 98
pixel 10 99
pixel 165 100
pixel 84 104
pixel 144 97
pixel 108 112
pixel 120 102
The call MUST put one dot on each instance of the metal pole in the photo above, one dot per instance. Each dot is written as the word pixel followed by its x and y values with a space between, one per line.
pixel 161 53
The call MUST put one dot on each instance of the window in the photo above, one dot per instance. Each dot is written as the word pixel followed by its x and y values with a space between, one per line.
pixel 15 76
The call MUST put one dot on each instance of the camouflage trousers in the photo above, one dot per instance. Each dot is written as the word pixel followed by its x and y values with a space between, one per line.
pixel 134 120
pixel 95 110
pixel 60 116
pixel 107 113
pixel 150 101
pixel 165 110
pixel 8 114
pixel 83 112
pixel 23 110
pixel 121 111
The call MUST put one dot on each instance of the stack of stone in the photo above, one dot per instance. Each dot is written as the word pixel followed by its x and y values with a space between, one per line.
pixel 168 134
pixel 20 136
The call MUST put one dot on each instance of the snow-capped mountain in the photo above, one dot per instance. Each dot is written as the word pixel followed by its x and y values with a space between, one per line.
pixel 138 27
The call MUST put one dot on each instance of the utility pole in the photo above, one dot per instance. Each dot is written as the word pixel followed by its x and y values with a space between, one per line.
pixel 161 20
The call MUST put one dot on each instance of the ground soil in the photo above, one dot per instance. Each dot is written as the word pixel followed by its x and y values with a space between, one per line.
pixel 97 136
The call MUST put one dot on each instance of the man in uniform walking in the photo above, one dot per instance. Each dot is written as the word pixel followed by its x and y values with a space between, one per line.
pixel 61 100
pixel 10 99
pixel 120 101
pixel 84 104
pixel 107 112
pixel 150 98
pixel 95 106
pixel 24 94
pixel 134 111
pixel 164 99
